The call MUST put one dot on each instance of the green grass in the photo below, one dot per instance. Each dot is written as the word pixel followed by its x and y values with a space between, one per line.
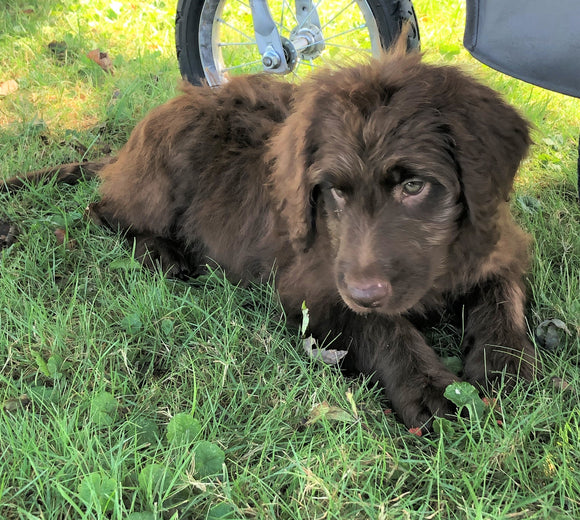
pixel 99 359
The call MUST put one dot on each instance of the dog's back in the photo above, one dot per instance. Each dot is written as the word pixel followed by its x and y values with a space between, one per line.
pixel 194 170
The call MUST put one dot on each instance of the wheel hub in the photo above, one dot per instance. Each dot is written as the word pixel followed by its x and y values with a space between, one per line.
pixel 307 41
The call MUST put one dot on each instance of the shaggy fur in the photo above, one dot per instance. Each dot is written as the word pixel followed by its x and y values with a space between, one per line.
pixel 377 193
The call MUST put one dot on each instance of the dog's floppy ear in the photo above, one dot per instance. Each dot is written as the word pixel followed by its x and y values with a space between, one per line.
pixel 490 140
pixel 291 155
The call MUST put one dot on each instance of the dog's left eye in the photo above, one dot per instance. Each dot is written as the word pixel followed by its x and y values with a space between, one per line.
pixel 413 187
pixel 339 196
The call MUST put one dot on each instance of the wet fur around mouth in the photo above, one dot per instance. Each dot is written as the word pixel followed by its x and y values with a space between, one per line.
pixel 378 194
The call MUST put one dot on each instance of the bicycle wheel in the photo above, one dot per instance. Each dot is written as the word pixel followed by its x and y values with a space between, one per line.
pixel 215 38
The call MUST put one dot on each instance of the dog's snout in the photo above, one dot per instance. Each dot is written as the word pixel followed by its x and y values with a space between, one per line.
pixel 368 292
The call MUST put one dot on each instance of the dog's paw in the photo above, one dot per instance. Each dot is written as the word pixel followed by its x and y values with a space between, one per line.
pixel 156 253
pixel 92 214
pixel 495 367
pixel 419 404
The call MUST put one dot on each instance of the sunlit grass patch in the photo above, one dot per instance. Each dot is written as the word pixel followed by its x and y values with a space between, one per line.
pixel 124 393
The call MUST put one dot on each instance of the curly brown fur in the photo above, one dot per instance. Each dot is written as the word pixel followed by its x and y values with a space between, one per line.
pixel 377 192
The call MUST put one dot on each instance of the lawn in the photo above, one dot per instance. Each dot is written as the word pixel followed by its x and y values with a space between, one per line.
pixel 127 395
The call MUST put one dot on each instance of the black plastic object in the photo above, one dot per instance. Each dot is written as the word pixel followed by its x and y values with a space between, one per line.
pixel 537 41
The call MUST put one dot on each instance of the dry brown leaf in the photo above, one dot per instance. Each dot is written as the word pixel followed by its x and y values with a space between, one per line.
pixel 60 235
pixel 561 384
pixel 8 234
pixel 14 404
pixel 102 59
pixel 8 87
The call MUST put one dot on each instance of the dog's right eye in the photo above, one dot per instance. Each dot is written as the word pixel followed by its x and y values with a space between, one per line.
pixel 413 187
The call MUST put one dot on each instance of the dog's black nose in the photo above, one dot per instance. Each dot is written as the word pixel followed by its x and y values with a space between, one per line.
pixel 369 293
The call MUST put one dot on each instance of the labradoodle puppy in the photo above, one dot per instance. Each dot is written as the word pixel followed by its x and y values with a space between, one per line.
pixel 377 193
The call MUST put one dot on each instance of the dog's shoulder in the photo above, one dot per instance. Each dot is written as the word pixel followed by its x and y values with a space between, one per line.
pixel 247 93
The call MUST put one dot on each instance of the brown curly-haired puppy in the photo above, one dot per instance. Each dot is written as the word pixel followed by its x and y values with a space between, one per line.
pixel 377 193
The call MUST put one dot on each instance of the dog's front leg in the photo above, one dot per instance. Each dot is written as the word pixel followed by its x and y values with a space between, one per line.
pixel 152 251
pixel 495 339
pixel 395 353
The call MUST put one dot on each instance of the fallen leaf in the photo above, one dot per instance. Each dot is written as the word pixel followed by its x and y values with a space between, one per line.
pixel 14 404
pixel 332 413
pixel 327 356
pixel 60 235
pixel 550 334
pixel 102 59
pixel 350 399
pixel 307 344
pixel 8 87
pixel 560 384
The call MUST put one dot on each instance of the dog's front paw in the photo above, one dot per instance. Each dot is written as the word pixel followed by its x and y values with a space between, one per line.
pixel 163 254
pixel 494 366
pixel 418 402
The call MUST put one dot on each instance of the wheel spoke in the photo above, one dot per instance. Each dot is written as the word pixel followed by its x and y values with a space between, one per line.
pixel 228 41
pixel 338 45
pixel 234 67
pixel 295 74
pixel 233 28
pixel 348 47
pixel 286 5
pixel 226 44
pixel 348 31
pixel 311 64
pixel 338 14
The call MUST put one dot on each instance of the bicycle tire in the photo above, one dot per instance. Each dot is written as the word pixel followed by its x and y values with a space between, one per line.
pixel 193 58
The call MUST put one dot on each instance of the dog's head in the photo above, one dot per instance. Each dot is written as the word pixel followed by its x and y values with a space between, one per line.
pixel 400 161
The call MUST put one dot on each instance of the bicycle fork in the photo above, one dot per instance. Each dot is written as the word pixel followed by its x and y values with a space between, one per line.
pixel 279 54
